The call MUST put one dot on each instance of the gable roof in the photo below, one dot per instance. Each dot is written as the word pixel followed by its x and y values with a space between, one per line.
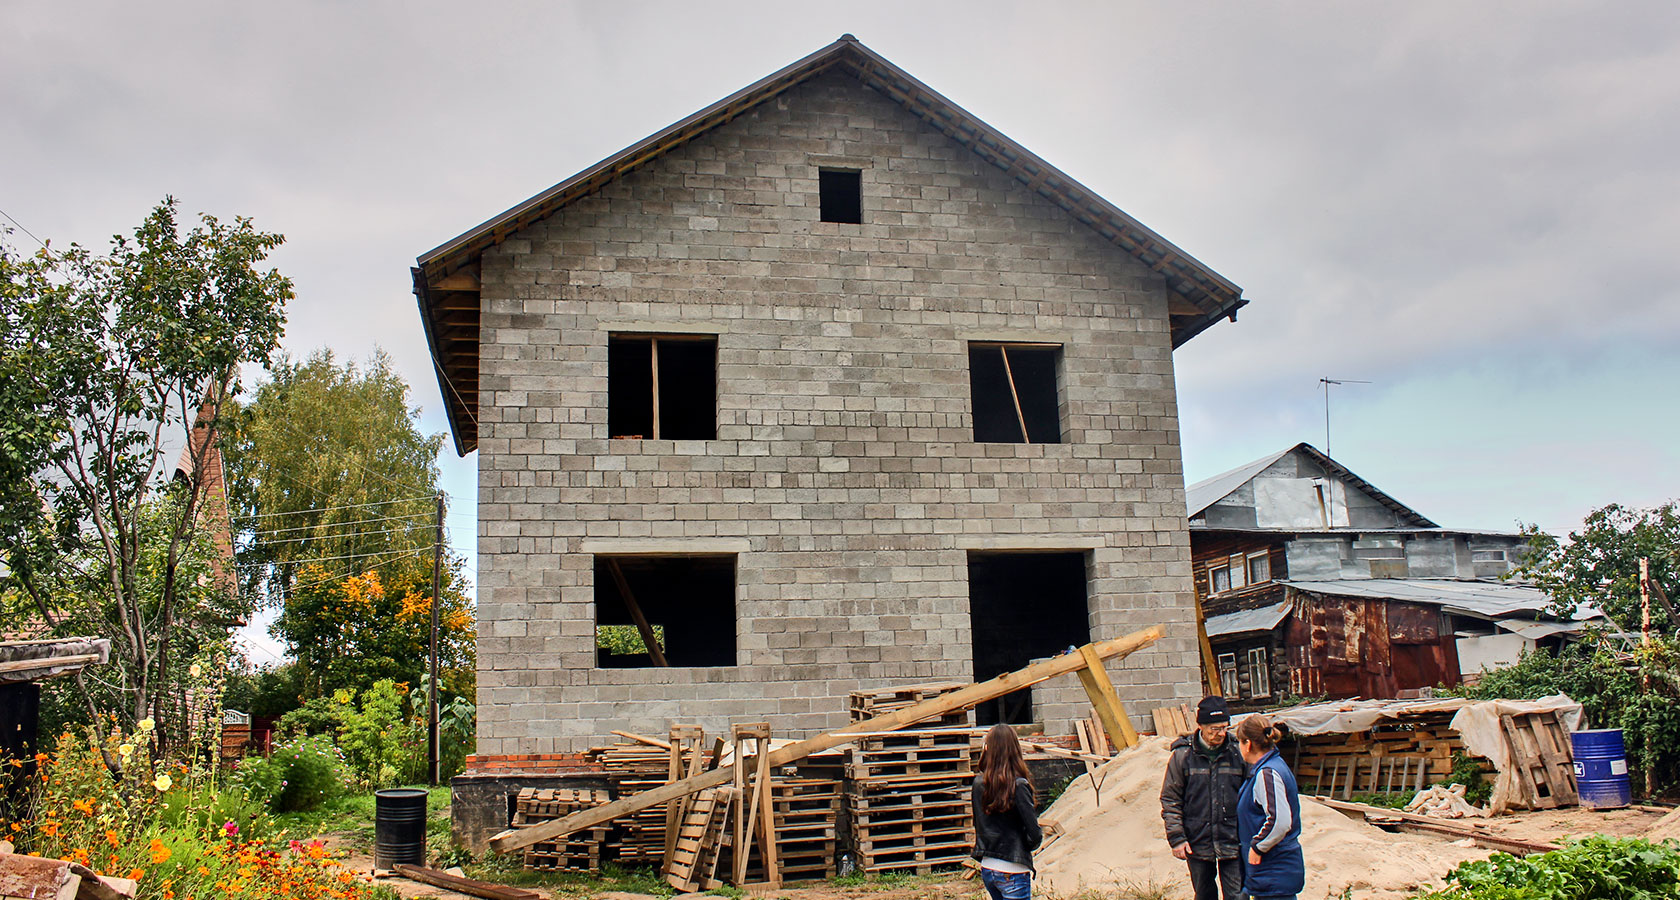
pixel 1205 493
pixel 446 283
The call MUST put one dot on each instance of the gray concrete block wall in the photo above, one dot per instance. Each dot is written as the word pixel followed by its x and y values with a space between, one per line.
pixel 844 474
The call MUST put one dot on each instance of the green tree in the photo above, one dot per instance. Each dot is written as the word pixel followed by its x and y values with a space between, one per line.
pixel 350 632
pixel 1598 564
pixel 327 464
pixel 107 362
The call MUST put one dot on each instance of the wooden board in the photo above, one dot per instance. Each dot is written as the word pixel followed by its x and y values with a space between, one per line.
pixel 1174 721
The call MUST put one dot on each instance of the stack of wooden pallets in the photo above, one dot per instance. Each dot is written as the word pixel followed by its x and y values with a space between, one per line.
pixel 581 851
pixel 631 769
pixel 1410 754
pixel 807 811
pixel 908 798
pixel 866 705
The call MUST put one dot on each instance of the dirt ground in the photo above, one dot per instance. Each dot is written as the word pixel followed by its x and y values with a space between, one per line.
pixel 1537 826
pixel 1556 824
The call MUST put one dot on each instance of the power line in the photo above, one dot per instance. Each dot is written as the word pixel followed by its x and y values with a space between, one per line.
pixel 352 534
pixel 373 521
pixel 299 512
pixel 351 460
pixel 322 559
pixel 27 231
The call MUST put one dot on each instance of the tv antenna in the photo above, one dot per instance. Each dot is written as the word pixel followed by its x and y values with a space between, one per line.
pixel 1327 382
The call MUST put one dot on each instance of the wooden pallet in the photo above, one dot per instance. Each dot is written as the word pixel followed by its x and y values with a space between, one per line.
pixel 581 851
pixel 913 756
pixel 1541 759
pixel 700 836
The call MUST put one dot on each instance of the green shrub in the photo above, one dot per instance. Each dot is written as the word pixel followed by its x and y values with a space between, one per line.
pixel 382 746
pixel 302 773
pixel 205 809
pixel 1594 867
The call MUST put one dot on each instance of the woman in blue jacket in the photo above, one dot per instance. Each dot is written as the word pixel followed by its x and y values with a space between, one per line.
pixel 1268 816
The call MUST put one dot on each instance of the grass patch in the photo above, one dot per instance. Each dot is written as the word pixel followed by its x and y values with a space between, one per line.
pixel 885 881
pixel 510 870
pixel 350 819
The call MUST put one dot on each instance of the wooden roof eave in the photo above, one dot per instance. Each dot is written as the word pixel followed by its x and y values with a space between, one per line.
pixel 461 419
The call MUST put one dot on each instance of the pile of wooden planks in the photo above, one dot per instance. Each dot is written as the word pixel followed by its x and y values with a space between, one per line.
pixel 631 769
pixel 866 705
pixel 908 798
pixel 698 847
pixel 1174 721
pixel 1389 759
pixel 580 851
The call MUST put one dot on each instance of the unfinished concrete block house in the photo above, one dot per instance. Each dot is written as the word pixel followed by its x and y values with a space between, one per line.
pixel 834 387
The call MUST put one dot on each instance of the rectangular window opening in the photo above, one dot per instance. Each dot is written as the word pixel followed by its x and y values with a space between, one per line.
pixel 840 195
pixel 1014 391
pixel 662 387
pixel 687 602
pixel 1023 606
pixel 1219 579
pixel 1260 568
pixel 1228 675
pixel 1259 676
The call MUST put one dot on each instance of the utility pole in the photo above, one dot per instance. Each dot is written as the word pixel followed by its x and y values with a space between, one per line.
pixel 432 747
pixel 1327 382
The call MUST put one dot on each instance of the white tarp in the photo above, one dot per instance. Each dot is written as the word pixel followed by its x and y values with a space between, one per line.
pixel 1478 726
pixel 1475 721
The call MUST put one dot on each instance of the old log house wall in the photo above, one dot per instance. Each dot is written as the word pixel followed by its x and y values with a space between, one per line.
pixel 1232 551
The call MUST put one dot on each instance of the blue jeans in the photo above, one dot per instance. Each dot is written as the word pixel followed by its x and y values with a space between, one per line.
pixel 1007 885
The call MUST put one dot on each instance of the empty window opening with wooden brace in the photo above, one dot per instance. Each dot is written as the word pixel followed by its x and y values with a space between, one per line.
pixel 662 386
pixel 664 611
pixel 1023 606
pixel 840 195
pixel 1014 389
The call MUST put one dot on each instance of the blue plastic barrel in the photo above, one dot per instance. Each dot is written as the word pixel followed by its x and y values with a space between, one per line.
pixel 1601 772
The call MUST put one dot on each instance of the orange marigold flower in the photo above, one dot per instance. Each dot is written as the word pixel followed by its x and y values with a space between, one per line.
pixel 160 853
pixel 83 807
pixel 136 874
pixel 112 838
pixel 50 829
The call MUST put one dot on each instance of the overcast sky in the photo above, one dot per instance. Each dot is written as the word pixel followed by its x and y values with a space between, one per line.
pixel 1473 206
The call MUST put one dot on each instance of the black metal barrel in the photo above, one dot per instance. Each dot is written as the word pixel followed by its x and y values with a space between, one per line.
pixel 399 827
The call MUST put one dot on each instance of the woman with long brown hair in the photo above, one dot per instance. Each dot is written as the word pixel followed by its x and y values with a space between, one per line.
pixel 1006 828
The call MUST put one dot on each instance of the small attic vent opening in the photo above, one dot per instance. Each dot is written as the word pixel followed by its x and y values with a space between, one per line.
pixel 840 194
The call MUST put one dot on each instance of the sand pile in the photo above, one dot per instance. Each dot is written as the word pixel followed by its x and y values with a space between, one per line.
pixel 1113 835
pixel 1667 828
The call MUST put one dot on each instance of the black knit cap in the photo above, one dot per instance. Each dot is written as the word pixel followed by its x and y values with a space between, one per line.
pixel 1212 711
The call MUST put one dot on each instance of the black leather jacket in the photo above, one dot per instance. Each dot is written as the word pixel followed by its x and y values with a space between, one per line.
pixel 1013 834
pixel 1199 801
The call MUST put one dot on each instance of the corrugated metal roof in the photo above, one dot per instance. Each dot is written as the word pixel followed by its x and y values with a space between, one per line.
pixel 1535 631
pixel 1491 599
pixel 1263 619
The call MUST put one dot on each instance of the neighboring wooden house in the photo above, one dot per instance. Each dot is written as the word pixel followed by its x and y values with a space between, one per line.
pixel 832 386
pixel 1314 582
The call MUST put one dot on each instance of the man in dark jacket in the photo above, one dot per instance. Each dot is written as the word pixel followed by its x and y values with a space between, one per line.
pixel 1199 803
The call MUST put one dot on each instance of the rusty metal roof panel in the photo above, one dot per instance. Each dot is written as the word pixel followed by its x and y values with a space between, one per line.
pixel 1243 621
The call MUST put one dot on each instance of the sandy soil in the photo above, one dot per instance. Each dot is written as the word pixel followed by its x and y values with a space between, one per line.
pixel 1113 838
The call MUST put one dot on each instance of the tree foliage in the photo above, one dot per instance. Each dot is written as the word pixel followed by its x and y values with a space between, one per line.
pixel 110 364
pixel 1598 563
pixel 335 487
pixel 327 463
